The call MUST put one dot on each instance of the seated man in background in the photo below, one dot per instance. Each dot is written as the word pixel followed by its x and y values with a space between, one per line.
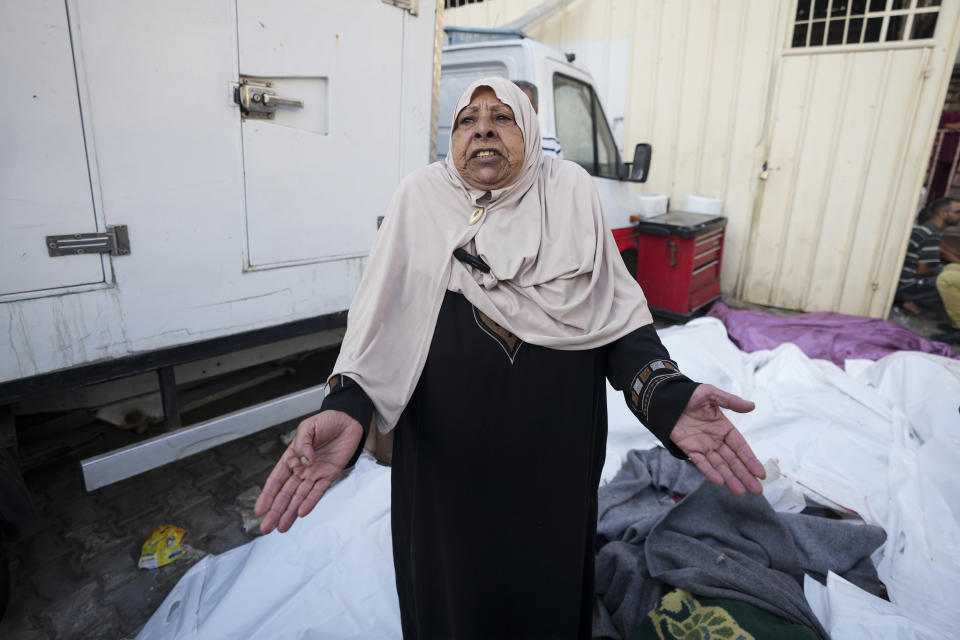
pixel 549 144
pixel 922 265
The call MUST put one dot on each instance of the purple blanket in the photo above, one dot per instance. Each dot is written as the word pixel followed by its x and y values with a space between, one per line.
pixel 825 335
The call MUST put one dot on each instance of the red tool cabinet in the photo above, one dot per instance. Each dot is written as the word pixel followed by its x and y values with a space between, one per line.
pixel 679 255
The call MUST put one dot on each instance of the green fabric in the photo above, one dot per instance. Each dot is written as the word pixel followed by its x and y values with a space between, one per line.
pixel 681 616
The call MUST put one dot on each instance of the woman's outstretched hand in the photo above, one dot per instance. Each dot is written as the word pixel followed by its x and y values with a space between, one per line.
pixel 714 445
pixel 321 449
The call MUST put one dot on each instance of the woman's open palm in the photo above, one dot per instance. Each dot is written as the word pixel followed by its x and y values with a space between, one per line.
pixel 714 445
pixel 323 446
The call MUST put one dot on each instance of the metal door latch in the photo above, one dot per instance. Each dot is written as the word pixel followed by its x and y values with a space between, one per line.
pixel 116 242
pixel 257 99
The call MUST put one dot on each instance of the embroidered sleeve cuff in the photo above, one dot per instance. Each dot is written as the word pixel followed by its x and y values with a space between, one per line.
pixel 657 395
pixel 347 396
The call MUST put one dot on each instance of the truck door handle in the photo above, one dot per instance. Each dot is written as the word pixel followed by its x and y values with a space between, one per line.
pixel 269 100
pixel 258 99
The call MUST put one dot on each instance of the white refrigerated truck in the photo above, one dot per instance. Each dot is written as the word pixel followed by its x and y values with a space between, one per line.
pixel 193 186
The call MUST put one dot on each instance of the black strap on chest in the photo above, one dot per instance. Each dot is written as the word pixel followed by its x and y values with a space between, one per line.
pixel 468 258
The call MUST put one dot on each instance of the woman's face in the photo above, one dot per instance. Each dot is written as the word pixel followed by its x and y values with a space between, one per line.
pixel 487 144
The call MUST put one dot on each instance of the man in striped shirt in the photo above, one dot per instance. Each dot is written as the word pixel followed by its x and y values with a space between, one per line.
pixel 917 287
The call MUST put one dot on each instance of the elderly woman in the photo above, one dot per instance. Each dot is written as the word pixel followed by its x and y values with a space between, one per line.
pixel 493 306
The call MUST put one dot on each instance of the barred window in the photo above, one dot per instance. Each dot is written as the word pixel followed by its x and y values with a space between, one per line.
pixel 451 4
pixel 821 23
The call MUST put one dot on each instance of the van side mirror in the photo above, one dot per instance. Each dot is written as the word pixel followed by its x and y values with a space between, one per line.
pixel 640 167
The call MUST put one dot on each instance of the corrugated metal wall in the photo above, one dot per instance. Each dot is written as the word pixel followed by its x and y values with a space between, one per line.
pixel 711 84
pixel 698 94
pixel 838 181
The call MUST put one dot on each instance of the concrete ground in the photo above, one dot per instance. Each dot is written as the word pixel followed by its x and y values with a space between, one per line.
pixel 74 565
pixel 928 324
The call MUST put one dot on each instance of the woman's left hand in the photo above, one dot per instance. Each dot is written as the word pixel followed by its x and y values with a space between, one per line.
pixel 714 445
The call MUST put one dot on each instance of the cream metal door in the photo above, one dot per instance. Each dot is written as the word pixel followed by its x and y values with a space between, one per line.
pixel 848 133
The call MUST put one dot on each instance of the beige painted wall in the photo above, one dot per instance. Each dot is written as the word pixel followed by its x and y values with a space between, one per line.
pixel 711 85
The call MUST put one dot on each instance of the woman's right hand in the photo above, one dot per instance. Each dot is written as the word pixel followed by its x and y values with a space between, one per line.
pixel 324 444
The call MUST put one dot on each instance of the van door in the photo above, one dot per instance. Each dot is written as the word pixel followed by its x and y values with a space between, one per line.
pixel 585 138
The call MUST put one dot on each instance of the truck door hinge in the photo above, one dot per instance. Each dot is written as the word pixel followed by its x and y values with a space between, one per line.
pixel 116 242
pixel 410 5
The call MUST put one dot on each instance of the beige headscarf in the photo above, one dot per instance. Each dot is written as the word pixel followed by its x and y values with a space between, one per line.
pixel 556 278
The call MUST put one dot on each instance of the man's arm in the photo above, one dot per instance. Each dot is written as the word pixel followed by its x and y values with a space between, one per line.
pixel 948 253
pixel 927 269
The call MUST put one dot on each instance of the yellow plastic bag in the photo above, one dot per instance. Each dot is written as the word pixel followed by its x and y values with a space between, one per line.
pixel 162 547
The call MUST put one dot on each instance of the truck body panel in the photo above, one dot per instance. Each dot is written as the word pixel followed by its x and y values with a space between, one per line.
pixel 126 115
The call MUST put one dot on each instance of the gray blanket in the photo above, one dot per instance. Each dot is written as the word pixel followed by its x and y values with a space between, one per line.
pixel 714 544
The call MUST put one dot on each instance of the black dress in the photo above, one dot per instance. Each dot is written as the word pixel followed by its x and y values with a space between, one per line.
pixel 496 463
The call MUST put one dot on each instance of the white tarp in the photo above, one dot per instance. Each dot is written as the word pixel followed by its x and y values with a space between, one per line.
pixel 881 440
